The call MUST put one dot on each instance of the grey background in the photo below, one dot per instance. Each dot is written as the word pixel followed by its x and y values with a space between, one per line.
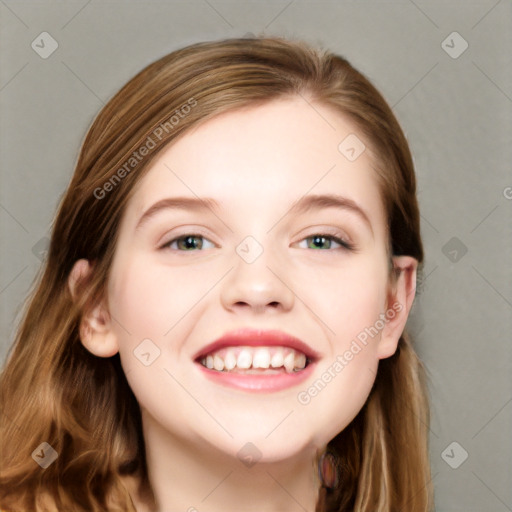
pixel 456 113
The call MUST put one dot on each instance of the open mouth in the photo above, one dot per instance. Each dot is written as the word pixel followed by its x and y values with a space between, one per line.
pixel 259 360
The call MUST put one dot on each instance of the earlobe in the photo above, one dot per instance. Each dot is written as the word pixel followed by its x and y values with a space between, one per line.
pixel 96 332
pixel 400 299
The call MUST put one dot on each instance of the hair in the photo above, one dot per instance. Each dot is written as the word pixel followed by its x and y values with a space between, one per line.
pixel 54 390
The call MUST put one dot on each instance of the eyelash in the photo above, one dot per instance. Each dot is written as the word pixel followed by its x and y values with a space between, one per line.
pixel 343 243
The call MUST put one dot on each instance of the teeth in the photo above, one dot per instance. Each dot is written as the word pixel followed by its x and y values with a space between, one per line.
pixel 261 358
pixel 277 359
pixel 300 361
pixel 229 360
pixel 289 362
pixel 218 363
pixel 246 358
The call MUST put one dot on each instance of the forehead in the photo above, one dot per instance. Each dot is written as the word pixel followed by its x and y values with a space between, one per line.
pixel 267 155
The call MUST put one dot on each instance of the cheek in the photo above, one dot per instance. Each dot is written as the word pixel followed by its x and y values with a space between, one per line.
pixel 357 325
pixel 345 298
pixel 149 298
pixel 346 374
pixel 137 301
pixel 350 306
pixel 337 394
pixel 154 307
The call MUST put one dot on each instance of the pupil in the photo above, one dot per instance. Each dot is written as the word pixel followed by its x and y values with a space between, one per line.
pixel 189 242
pixel 318 239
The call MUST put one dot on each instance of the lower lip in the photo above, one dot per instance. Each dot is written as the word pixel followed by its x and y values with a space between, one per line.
pixel 258 383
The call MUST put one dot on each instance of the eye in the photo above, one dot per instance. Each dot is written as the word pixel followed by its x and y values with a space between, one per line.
pixel 187 242
pixel 321 239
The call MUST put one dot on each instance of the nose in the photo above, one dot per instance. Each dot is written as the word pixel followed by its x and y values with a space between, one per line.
pixel 260 286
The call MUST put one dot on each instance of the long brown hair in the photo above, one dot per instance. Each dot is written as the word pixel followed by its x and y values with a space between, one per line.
pixel 53 390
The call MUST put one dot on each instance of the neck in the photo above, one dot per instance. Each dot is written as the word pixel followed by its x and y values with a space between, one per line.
pixel 190 476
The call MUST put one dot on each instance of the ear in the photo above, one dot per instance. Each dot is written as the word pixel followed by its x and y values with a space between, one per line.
pixel 96 333
pixel 399 302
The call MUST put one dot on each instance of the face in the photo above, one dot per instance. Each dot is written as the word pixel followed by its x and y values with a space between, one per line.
pixel 184 276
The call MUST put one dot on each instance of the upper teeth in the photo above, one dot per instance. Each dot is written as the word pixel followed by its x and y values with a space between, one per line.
pixel 255 357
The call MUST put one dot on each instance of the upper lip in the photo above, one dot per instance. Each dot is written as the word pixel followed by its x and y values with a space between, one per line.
pixel 258 338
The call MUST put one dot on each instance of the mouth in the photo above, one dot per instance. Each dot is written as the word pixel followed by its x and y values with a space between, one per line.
pixel 257 360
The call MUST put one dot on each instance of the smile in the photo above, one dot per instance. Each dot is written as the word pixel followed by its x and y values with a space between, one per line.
pixel 256 360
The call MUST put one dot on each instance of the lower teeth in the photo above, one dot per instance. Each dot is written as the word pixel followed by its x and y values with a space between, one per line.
pixel 256 371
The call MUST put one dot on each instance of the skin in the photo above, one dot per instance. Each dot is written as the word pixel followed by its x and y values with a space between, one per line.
pixel 255 162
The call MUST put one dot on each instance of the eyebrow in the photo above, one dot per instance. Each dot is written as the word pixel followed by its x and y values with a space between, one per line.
pixel 319 201
pixel 302 205
pixel 178 203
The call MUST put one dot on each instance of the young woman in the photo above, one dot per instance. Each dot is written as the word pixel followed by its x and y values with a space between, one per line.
pixel 220 320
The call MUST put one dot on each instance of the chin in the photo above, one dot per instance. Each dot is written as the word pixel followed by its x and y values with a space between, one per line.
pixel 255 444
